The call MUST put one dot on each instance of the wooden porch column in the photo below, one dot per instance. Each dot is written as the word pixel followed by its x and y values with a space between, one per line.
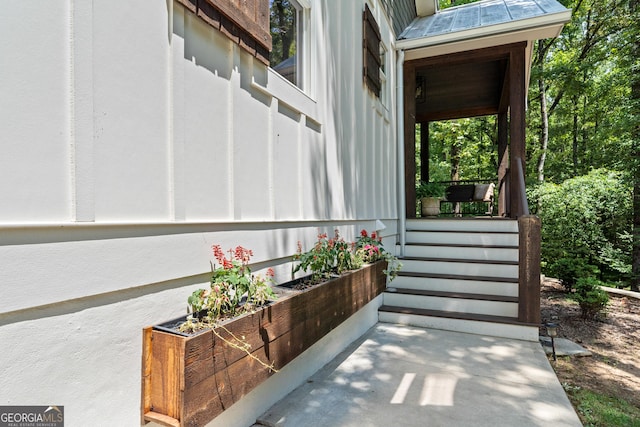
pixel 410 138
pixel 424 151
pixel 517 127
pixel 503 164
pixel 529 269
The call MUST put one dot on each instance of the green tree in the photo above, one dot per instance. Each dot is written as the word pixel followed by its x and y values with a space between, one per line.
pixel 635 151
pixel 576 119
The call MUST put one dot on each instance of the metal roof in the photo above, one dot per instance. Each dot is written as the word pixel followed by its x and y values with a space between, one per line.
pixel 489 16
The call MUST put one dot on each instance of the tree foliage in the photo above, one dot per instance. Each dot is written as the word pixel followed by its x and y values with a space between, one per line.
pixel 283 30
pixel 586 222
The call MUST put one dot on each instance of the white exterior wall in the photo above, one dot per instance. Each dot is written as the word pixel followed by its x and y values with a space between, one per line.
pixel 134 136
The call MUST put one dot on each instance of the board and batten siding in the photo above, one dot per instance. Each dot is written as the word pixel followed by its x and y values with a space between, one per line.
pixel 134 137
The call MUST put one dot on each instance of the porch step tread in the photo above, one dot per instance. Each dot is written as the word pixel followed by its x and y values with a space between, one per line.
pixel 446 230
pixel 448 294
pixel 453 315
pixel 462 245
pixel 460 260
pixel 458 277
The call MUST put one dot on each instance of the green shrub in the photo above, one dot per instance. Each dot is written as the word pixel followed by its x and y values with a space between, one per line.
pixel 430 189
pixel 590 297
pixel 587 217
pixel 569 270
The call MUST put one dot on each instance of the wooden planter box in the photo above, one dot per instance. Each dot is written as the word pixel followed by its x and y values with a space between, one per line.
pixel 188 381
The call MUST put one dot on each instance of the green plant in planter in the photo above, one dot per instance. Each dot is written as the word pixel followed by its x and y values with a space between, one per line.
pixel 233 289
pixel 328 256
pixel 430 189
pixel 336 256
pixel 369 247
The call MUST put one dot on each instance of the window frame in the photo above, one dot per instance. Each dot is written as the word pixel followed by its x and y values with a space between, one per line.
pixel 303 44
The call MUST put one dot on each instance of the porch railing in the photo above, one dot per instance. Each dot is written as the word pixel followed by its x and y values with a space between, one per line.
pixel 462 209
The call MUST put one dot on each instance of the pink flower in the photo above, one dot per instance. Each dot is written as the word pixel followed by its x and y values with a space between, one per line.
pixel 271 273
pixel 218 254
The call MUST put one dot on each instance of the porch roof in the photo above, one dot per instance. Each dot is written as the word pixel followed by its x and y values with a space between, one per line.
pixel 462 54
pixel 483 24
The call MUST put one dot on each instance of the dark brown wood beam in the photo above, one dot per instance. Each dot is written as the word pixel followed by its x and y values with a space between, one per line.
pixel 503 164
pixel 529 269
pixel 503 106
pixel 456 114
pixel 478 55
pixel 517 127
pixel 410 138
pixel 424 151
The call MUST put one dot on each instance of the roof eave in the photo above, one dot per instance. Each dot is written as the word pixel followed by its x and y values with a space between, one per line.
pixel 536 28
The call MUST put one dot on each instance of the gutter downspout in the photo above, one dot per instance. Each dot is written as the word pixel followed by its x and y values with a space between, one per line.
pixel 402 215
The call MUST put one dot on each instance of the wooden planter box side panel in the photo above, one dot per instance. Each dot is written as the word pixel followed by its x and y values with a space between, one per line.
pixel 188 381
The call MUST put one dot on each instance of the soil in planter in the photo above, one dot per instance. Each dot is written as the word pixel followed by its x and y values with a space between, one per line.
pixel 173 326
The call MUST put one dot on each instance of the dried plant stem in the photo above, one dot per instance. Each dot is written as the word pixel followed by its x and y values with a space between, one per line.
pixel 242 345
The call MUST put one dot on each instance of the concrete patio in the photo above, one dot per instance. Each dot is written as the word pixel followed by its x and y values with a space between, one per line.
pixel 406 376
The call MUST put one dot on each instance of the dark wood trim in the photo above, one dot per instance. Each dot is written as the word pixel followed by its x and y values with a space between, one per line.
pixel 454 295
pixel 249 28
pixel 458 114
pixel 461 260
pixel 517 126
pixel 453 315
pixel 503 163
pixel 461 245
pixel 410 139
pixel 503 106
pixel 459 277
pixel 424 151
pixel 529 269
pixel 478 55
pixel 371 51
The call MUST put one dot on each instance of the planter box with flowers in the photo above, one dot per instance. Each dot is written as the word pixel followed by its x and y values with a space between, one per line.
pixel 195 367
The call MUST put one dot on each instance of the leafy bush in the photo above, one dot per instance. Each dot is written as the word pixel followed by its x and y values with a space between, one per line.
pixel 569 270
pixel 588 218
pixel 590 297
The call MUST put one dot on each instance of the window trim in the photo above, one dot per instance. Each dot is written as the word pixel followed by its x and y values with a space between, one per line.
pixel 303 64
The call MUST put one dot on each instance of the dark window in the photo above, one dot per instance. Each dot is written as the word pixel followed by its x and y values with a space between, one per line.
pixel 286 33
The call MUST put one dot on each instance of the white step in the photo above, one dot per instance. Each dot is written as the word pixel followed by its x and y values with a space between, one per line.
pixel 456 238
pixel 460 305
pixel 503 330
pixel 509 289
pixel 460 268
pixel 455 224
pixel 466 252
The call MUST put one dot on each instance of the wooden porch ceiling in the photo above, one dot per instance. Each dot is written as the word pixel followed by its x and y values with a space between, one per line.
pixel 453 89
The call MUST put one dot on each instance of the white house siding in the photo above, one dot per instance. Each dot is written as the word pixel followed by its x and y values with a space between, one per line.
pixel 133 137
